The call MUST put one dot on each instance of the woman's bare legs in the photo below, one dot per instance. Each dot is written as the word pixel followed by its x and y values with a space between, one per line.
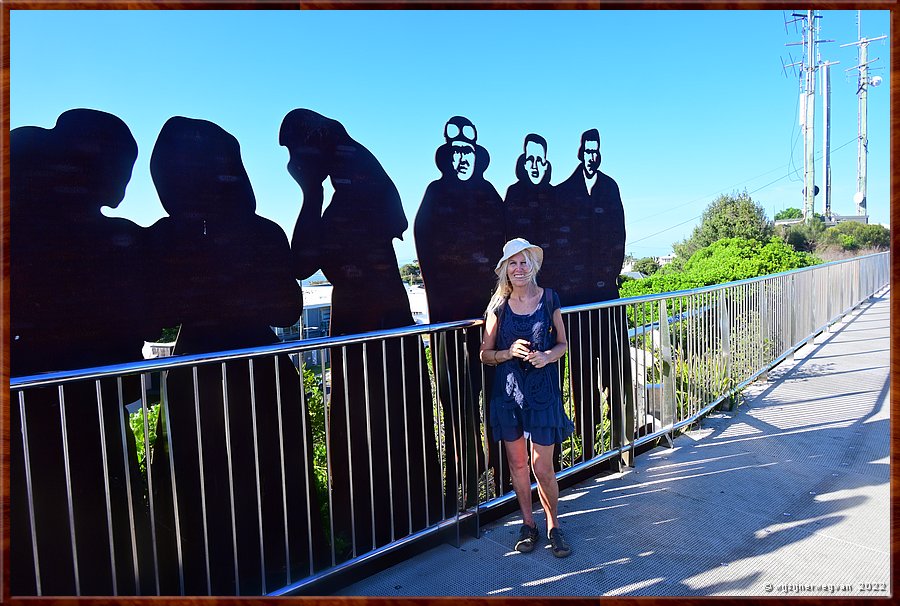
pixel 548 489
pixel 517 457
pixel 542 464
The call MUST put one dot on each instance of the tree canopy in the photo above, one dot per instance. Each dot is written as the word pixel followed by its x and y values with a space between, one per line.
pixel 646 265
pixel 851 235
pixel 789 213
pixel 728 216
pixel 410 273
pixel 726 260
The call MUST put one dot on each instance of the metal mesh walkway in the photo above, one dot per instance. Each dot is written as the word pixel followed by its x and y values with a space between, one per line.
pixel 787 495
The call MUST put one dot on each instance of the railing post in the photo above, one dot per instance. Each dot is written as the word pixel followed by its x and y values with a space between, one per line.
pixel 763 298
pixel 724 331
pixel 667 368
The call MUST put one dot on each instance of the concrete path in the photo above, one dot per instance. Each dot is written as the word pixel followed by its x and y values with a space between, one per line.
pixel 788 495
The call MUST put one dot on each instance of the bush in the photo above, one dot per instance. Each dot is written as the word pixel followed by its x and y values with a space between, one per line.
pixel 851 235
pixel 724 261
pixel 789 213
pixel 728 216
pixel 136 422
pixel 647 266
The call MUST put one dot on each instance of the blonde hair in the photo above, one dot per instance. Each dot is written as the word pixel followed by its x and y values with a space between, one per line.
pixel 504 288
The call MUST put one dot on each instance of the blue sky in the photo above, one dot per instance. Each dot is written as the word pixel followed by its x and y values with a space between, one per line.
pixel 689 104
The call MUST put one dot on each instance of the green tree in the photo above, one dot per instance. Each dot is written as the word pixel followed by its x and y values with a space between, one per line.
pixel 726 260
pixel 803 236
pixel 728 216
pixel 411 273
pixel 169 335
pixel 647 266
pixel 789 213
pixel 851 235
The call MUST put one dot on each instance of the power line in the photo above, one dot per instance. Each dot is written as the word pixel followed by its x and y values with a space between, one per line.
pixel 705 196
pixel 633 242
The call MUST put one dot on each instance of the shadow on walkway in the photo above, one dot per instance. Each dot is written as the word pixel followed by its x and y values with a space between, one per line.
pixel 787 495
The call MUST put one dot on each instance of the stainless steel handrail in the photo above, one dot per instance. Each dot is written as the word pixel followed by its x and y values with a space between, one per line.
pixel 693 350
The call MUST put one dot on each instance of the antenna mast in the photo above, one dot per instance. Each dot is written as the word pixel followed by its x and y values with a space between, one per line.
pixel 808 66
pixel 862 92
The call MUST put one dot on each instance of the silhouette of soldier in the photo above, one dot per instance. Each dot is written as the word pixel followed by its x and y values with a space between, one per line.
pixel 352 243
pixel 227 271
pixel 77 301
pixel 588 238
pixel 530 208
pixel 529 202
pixel 459 227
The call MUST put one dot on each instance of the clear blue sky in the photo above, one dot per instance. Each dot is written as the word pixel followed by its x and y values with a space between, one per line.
pixel 689 104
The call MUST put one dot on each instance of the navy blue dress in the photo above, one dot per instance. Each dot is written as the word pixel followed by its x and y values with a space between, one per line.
pixel 526 400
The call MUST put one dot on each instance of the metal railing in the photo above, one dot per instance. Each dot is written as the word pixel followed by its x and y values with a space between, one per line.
pixel 269 473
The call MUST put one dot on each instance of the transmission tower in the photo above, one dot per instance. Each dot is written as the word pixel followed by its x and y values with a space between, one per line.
pixel 808 66
pixel 862 92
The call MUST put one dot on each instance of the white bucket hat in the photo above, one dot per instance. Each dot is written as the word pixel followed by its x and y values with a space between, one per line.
pixel 517 245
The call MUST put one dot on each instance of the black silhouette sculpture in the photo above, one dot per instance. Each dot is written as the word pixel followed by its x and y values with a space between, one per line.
pixel 529 202
pixel 77 301
pixel 588 243
pixel 227 271
pixel 459 233
pixel 530 210
pixel 351 242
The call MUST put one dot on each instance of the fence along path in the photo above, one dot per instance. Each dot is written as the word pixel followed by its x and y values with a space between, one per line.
pixel 788 495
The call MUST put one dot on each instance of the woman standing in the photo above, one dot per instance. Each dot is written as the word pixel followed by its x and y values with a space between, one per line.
pixel 524 336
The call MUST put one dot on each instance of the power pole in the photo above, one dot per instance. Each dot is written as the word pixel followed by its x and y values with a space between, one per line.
pixel 809 134
pixel 862 143
pixel 808 67
pixel 826 140
pixel 826 135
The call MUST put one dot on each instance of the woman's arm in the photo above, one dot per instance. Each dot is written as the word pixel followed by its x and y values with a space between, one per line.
pixel 493 357
pixel 541 358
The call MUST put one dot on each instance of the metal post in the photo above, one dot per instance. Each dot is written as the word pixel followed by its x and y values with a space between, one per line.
pixel 725 332
pixel 826 138
pixel 809 137
pixel 667 369
pixel 862 143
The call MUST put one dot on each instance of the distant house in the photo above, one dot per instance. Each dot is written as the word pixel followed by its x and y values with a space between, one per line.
pixel 316 318
pixel 418 304
pixel 157 350
pixel 665 259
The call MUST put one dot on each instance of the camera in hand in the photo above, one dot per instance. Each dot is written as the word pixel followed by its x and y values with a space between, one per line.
pixel 525 364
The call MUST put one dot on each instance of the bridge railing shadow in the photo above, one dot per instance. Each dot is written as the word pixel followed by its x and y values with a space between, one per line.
pixel 767 478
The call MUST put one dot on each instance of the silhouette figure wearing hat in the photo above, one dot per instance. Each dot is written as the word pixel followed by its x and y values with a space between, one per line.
pixel 458 227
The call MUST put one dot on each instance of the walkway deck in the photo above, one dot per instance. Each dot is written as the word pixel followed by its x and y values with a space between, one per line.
pixel 788 495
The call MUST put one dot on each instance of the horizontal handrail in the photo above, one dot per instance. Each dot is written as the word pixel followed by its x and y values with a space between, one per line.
pixel 290 347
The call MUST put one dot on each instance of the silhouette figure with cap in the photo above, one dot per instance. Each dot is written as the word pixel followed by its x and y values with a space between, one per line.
pixel 459 227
